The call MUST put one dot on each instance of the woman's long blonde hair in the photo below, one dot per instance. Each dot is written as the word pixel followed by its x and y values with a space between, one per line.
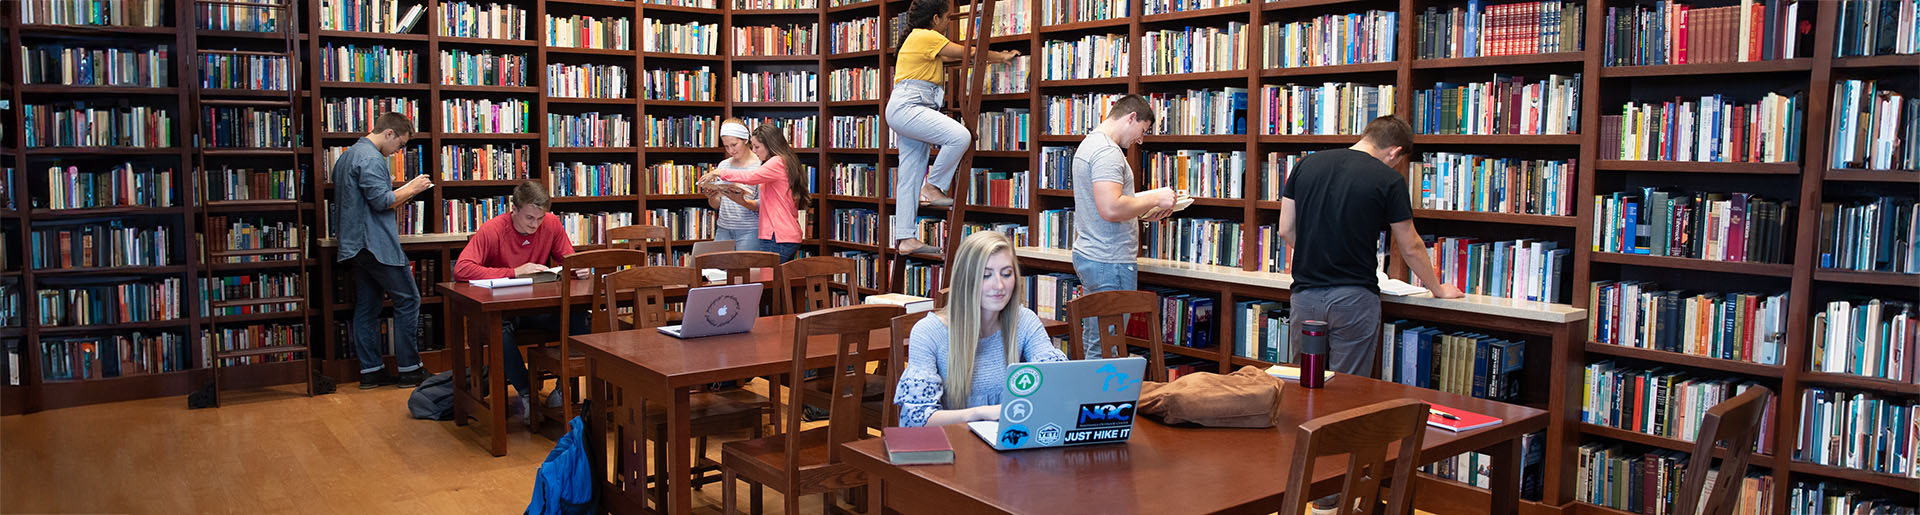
pixel 963 312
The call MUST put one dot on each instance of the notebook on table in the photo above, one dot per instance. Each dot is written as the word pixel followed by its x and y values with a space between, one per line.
pixel 1456 419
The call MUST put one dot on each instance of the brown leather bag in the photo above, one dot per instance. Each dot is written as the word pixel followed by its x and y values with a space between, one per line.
pixel 1246 398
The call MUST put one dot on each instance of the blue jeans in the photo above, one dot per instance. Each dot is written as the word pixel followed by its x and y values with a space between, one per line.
pixel 1097 277
pixel 785 250
pixel 517 366
pixel 743 239
pixel 913 112
pixel 372 279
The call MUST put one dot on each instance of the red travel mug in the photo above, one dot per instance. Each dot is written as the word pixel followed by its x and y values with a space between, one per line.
pixel 1313 353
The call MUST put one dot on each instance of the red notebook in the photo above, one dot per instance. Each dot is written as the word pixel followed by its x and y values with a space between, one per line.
pixel 1462 420
pixel 917 445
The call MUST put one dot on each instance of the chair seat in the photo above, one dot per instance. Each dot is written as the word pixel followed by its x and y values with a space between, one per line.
pixel 763 460
pixel 702 406
pixel 875 388
pixel 576 362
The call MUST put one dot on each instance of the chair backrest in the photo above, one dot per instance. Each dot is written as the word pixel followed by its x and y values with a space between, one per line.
pixel 739 264
pixel 598 263
pixel 641 238
pixel 1363 433
pixel 940 297
pixel 1110 310
pixel 647 286
pixel 850 326
pixel 1737 422
pixel 816 275
pixel 902 329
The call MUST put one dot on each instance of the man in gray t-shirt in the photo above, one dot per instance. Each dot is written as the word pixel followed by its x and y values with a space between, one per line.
pixel 1106 211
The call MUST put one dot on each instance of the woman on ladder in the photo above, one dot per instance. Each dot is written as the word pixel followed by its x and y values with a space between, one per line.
pixel 914 114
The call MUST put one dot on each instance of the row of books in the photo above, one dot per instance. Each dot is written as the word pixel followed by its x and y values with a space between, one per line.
pixel 695 85
pixel 1524 269
pixel 691 131
pixel 1004 130
pixel 1867 337
pixel 1056 168
pixel 1506 105
pixel 852 179
pixel 1661 402
pixel 1712 129
pixel 81 358
pixel 122 185
pixel 1077 114
pixel 116 13
pixel 1331 39
pixel 1186 320
pixel 1481 30
pixel 490 21
pixel 229 339
pixel 1273 255
pixel 1470 182
pixel 1048 294
pixel 857 35
pixel 861 131
pixel 1200 173
pixel 581 31
pixel 1874 128
pixel 1861 431
pixel 591 129
pixel 1202 241
pixel 931 230
pixel 801 131
pixel 687 223
pixel 1015 232
pixel 1328 108
pixel 405 164
pixel 1877 27
pixel 577 179
pixel 1650 482
pixel 1823 497
pixel 1264 331
pixel 1461 362
pixel 234 233
pixel 849 84
pixel 1001 78
pixel 264 17
pixel 853 226
pixel 466 215
pixel 777 40
pixel 485 162
pixel 921 278
pixel 1071 11
pixel 866 267
pixel 215 291
pixel 1670 32
pixel 1093 56
pixel 1194 50
pixel 109 244
pixel 79 124
pixel 386 16
pixel 1712 226
pixel 460 67
pixel 1741 326
pixel 1055 229
pixel 1010 17
pixel 377 63
pixel 84 66
pixel 10 311
pixel 588 81
pixel 228 183
pixel 249 127
pixel 591 228
pixel 486 116
pixel 1880 234
pixel 679 38
pixel 781 86
pixel 670 178
pixel 1276 169
pixel 241 71
pixel 998 188
pixel 1200 112
pixel 122 303
pixel 775 4
pixel 1476 469
pixel 356 114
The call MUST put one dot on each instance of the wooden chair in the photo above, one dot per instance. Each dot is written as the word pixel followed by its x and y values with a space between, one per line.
pixel 1363 433
pixel 739 264
pixel 642 238
pixel 816 275
pixel 560 360
pixel 798 463
pixel 1110 309
pixel 1737 422
pixel 711 413
pixel 902 328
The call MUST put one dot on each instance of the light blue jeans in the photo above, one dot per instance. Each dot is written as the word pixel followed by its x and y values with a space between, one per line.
pixel 913 112
pixel 743 239
pixel 1097 277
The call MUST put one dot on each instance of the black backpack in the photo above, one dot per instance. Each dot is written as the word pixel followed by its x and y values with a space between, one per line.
pixel 433 399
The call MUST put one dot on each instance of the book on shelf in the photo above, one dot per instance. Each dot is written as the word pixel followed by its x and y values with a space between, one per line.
pixel 776 86
pixel 591 129
pixel 1331 39
pixel 1506 105
pixel 1199 173
pixel 1186 320
pixel 801 131
pixel 356 114
pixel 1858 430
pixel 1746 327
pixel 1325 109
pixel 931 230
pixel 1876 234
pixel 247 72
pixel 1077 114
pixel 96 66
pixel 96 13
pixel 485 162
pixel 1669 32
pixel 238 233
pixel 1661 402
pixel 856 35
pixel 588 81
pixel 377 64
pixel 1200 112
pixel 1194 50
pixel 777 40
pixel 691 131
pixel 921 278
pixel 248 128
pixel 109 244
pixel 1072 11
pixel 215 290
pixel 461 67
pixel 110 304
pixel 679 38
pixel 696 85
pixel 849 84
pixel 1451 181
pixel 122 185
pixel 581 31
pixel 466 215
pixel 1650 481
pixel 1048 294
pixel 1001 78
pixel 1056 229
pixel 687 223
pixel 862 132
pixel 578 179
pixel 591 228
pixel 1265 332
pixel 80 358
pixel 84 124
pixel 1876 27
pixel 1524 269
pixel 229 339
pixel 1004 130
pixel 11 314
pixel 426 336
pixel 853 226
pixel 1010 17
pixel 490 21
pixel 1454 361
pixel 1013 231
pixel 1866 337
pixel 1734 227
pixel 866 272
pixel 1817 497
pixel 1476 469
pixel 1875 128
pixel 262 16
pixel 1094 56
pixel 997 188
pixel 1056 168
pixel 486 116
pixel 387 16
pixel 670 178
pixel 1483 29
pixel 1711 129
pixel 1277 168
pixel 775 4
pixel 1203 241
pixel 405 164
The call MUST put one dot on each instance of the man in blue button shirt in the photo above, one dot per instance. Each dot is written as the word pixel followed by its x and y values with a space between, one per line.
pixel 365 198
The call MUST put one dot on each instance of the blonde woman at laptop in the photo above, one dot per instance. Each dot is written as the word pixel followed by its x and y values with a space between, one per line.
pixel 983 328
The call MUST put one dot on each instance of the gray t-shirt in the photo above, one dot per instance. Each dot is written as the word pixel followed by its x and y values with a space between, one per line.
pixel 1100 160
pixel 732 214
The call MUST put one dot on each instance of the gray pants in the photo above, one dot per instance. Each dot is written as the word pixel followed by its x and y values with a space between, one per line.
pixel 913 112
pixel 1352 314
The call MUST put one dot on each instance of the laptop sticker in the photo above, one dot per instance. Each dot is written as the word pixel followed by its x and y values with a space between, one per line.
pixel 1013 436
pixel 1048 434
pixel 1017 411
pixel 1024 381
pixel 1116 380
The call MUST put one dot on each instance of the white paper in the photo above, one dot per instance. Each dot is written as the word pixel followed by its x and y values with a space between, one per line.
pixel 503 283
pixel 714 274
pixel 1397 287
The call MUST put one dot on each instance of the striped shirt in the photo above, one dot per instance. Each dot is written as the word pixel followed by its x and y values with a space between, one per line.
pixel 732 214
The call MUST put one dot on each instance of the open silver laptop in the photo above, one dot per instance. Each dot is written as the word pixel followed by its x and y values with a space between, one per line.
pixel 716 310
pixel 709 247
pixel 1065 403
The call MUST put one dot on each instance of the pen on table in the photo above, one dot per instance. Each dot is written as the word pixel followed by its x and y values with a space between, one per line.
pixel 1443 414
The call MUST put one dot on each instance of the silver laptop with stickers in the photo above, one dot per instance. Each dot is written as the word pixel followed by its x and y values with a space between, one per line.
pixel 1065 403
pixel 716 310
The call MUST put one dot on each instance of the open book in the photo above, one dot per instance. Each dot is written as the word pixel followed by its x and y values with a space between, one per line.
pixel 1178 205
pixel 546 275
pixel 1391 286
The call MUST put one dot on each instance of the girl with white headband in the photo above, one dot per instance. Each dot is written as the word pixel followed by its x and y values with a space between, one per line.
pixel 738 204
pixel 783 181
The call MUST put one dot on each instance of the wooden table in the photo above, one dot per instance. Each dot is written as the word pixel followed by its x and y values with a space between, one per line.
pixel 1165 469
pixel 474 318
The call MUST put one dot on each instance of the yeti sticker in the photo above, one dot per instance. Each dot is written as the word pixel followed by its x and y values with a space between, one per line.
pixel 1047 435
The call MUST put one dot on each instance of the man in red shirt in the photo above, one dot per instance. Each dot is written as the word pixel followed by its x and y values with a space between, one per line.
pixel 518 243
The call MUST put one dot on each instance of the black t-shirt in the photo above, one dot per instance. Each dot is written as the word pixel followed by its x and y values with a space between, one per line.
pixel 1342 200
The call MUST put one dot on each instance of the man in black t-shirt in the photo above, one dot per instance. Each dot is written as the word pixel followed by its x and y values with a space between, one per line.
pixel 1331 214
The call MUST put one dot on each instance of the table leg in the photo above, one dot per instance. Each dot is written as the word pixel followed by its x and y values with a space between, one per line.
pixel 596 436
pixel 1506 457
pixel 679 453
pixel 456 335
pixel 496 384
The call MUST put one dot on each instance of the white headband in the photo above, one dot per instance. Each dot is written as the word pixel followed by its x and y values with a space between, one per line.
pixel 733 129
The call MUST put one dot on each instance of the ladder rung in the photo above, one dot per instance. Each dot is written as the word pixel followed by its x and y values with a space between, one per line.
pixel 261 351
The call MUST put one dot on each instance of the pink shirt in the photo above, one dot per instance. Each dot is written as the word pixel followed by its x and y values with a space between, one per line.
pixel 779 219
pixel 497 248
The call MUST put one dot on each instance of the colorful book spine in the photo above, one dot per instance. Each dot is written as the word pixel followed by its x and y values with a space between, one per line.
pixel 1003 78
pixel 1153 7
pixel 1481 29
pixel 696 85
pixel 1469 182
pixel 670 178
pixel 1660 402
pixel 486 116
pixel 1010 18
pixel 215 291
pixel 1875 234
pixel 122 303
pixel 1523 269
pixel 1056 229
pixel 777 40
pixel 1748 327
pixel 851 84
pixel 1200 112
pixel 1200 173
pixel 1711 226
pixel 1333 39
pixel 1077 114
pixel 1866 337
pixel 588 81
pixel 459 67
pixel 852 179
pixel 1875 27
pixel 490 21
pixel 1194 50
pixel 1004 130
pixel 776 86
pixel 228 184
pixel 1325 109
pixel 378 63
pixel 576 179
pixel 580 31
pixel 1820 497
pixel 466 215
pixel 994 188
pixel 801 132
pixel 102 245
pixel 1094 56
pixel 591 228
pixel 1860 431
pixel 405 164
pixel 102 13
pixel 248 127
pixel 78 124
pixel 682 131
pixel 853 36
pixel 687 223
pixel 83 66
pixel 853 226
pixel 1711 129
pixel 485 162
pixel 123 185
pixel 1506 105
pixel 679 38
pixel 356 114
pixel 1202 241
pixel 1071 11
pixel 1668 33
pixel 854 131
pixel 1056 168
pixel 1614 476
pixel 1875 128
pixel 267 16
pixel 228 339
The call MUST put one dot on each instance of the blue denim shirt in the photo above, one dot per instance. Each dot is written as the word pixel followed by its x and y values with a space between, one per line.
pixel 362 194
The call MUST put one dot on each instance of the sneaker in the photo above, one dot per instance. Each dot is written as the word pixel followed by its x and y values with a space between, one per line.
pixel 518 407
pixel 812 414
pixel 412 378
pixel 376 380
pixel 554 399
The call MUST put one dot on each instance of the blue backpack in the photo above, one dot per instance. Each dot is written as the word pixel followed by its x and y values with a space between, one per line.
pixel 564 485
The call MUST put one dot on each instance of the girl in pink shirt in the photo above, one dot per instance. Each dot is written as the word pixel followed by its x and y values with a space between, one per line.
pixel 783 186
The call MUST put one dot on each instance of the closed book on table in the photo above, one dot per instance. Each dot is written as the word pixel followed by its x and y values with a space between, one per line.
pixel 917 445
pixel 1456 419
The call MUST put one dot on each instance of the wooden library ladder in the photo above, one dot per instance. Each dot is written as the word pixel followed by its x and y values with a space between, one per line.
pixel 968 98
